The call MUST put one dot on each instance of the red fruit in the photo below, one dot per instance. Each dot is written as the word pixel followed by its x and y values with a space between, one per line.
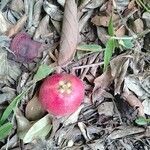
pixel 24 48
pixel 61 94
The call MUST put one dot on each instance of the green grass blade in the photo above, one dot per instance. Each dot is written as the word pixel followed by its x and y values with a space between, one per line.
pixel 110 46
pixel 110 27
pixel 5 130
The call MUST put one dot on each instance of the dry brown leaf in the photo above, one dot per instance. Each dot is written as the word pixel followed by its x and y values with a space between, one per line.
pixel 120 32
pixel 34 110
pixel 133 101
pixel 103 20
pixel 18 27
pixel 101 83
pixel 42 30
pixel 125 131
pixel 138 25
pixel 69 36
pixel 119 66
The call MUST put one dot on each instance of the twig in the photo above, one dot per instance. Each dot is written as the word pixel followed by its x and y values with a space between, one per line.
pixel 90 65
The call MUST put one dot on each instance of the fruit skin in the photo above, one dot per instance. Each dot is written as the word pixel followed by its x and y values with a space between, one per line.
pixel 24 48
pixel 57 103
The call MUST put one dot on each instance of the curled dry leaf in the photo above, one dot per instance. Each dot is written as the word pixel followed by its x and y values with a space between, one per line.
pixel 17 5
pixel 101 83
pixel 43 30
pixel 69 36
pixel 125 131
pixel 106 108
pixel 53 11
pixel 34 110
pixel 138 25
pixel 92 4
pixel 18 27
pixel 133 101
pixel 39 130
pixel 119 66
pixel 83 130
pixel 73 117
pixel 4 24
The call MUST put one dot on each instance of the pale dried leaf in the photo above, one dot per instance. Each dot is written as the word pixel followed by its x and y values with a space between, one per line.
pixel 9 70
pixel 17 5
pixel 83 130
pixel 92 4
pixel 39 130
pixel 138 25
pixel 106 108
pixel 119 66
pixel 4 24
pixel 37 12
pixel 133 101
pixel 61 2
pixel 125 131
pixel 18 27
pixel 69 36
pixel 146 105
pixel 73 117
pixel 53 11
pixel 43 28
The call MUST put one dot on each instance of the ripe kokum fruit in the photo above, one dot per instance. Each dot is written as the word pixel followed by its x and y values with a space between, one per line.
pixel 61 94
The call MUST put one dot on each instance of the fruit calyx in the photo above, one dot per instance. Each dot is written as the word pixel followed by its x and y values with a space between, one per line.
pixel 65 87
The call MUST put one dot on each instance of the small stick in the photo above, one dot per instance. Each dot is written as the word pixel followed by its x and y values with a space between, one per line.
pixel 90 65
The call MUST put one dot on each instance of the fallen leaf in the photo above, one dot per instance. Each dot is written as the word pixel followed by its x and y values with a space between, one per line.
pixel 133 101
pixel 43 28
pixel 101 84
pixel 9 70
pixel 53 11
pixel 73 117
pixel 119 66
pixel 18 27
pixel 69 36
pixel 34 110
pixel 138 25
pixel 125 131
pixel 146 105
pixel 19 7
pixel 106 108
pixel 4 24
pixel 39 130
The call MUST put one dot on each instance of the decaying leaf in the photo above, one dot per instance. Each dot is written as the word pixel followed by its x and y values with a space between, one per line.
pixel 69 36
pixel 119 66
pixel 101 84
pixel 34 110
pixel 73 117
pixel 133 101
pixel 18 27
pixel 106 108
pixel 92 4
pixel 125 131
pixel 9 70
pixel 43 30
pixel 39 129
pixel 52 10
pixel 4 24
pixel 17 5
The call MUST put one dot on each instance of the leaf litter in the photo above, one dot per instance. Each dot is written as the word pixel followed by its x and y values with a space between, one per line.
pixel 105 44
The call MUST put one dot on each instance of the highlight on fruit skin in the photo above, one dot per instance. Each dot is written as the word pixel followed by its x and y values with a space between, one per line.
pixel 24 48
pixel 61 94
